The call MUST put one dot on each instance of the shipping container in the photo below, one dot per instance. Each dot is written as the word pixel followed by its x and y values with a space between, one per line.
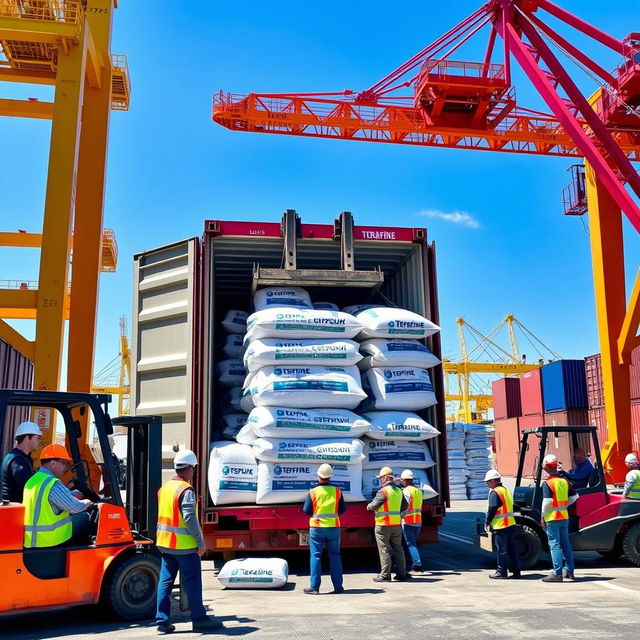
pixel 564 385
pixel 507 443
pixel 506 398
pixel 531 393
pixel 598 418
pixel 16 372
pixel 593 377
pixel 529 422
pixel 634 375
pixel 181 293
pixel 635 427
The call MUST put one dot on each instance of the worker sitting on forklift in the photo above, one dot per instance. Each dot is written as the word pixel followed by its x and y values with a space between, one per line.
pixel 17 466
pixel 53 515
pixel 579 476
pixel 557 496
pixel 632 481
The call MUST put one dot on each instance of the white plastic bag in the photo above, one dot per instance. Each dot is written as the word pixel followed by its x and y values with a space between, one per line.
pixel 398 425
pixel 273 297
pixel 286 483
pixel 355 309
pixel 233 473
pixel 298 450
pixel 390 453
pixel 232 423
pixel 307 387
pixel 230 401
pixel 396 352
pixel 371 484
pixel 231 373
pixel 289 322
pixel 232 347
pixel 401 388
pixel 254 573
pixel 235 321
pixel 387 322
pixel 276 351
pixel 327 306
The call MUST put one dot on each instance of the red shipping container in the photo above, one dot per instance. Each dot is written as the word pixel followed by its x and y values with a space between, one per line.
pixel 635 427
pixel 598 418
pixel 506 398
pixel 530 422
pixel 595 388
pixel 531 393
pixel 634 374
pixel 507 443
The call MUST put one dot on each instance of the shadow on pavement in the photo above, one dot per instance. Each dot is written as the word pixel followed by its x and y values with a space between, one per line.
pixel 363 591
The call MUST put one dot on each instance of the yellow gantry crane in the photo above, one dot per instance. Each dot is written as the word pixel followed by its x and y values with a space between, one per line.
pixel 472 393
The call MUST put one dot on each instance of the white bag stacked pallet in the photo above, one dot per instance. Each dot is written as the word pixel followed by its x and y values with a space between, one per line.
pixel 457 461
pixel 478 456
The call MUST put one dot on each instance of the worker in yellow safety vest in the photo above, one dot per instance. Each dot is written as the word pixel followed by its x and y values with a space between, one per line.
pixel 557 496
pixel 181 544
pixel 501 522
pixel 324 504
pixel 632 480
pixel 388 505
pixel 412 520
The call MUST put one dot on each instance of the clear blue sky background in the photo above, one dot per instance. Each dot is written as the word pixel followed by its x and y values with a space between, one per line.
pixel 170 167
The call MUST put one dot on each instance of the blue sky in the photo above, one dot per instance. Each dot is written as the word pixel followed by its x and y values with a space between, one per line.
pixel 170 167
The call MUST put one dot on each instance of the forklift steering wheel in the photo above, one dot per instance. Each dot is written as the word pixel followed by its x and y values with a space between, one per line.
pixel 84 489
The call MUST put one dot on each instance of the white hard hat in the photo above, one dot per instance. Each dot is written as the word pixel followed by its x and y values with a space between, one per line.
pixel 28 429
pixel 550 461
pixel 631 458
pixel 325 471
pixel 407 474
pixel 492 474
pixel 185 458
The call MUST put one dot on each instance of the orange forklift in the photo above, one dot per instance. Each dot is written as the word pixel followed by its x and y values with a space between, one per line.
pixel 117 564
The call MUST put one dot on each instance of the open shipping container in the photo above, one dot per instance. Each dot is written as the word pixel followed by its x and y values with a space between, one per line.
pixel 183 290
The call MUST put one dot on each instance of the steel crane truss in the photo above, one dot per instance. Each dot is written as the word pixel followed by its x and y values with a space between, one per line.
pixel 435 100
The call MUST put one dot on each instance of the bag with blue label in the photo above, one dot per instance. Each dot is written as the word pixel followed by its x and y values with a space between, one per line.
pixel 398 425
pixel 232 474
pixel 396 352
pixel 273 297
pixel 254 573
pixel 235 321
pixel 326 450
pixel 396 453
pixel 400 388
pixel 371 483
pixel 389 322
pixel 231 373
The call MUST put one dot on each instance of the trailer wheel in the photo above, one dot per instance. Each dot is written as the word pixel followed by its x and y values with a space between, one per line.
pixel 529 546
pixel 631 543
pixel 130 590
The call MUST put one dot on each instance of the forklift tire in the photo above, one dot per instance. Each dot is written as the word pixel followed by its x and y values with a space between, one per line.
pixel 130 589
pixel 528 546
pixel 631 543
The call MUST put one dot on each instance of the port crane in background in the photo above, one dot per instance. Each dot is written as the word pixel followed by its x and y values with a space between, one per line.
pixel 437 99
pixel 472 389
pixel 120 366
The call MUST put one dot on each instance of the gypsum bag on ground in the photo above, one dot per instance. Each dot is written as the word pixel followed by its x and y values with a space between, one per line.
pixel 282 422
pixel 327 306
pixel 291 323
pixel 231 373
pixel 381 352
pixel 235 321
pixel 233 348
pixel 307 387
pixel 388 322
pixel 290 450
pixel 275 351
pixel 276 297
pixel 290 482
pixel 390 453
pixel 254 573
pixel 371 484
pixel 401 388
pixel 401 425
pixel 233 473
pixel 232 423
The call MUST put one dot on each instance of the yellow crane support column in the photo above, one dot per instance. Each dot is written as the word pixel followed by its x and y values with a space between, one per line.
pixel 605 222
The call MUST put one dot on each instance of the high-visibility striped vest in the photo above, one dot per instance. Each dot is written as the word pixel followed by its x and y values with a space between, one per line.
pixel 388 513
pixel 325 499
pixel 43 527
pixel 413 514
pixel 560 496
pixel 172 529
pixel 634 492
pixel 504 515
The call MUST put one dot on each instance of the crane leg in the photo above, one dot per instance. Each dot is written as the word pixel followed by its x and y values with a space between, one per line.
pixel 605 222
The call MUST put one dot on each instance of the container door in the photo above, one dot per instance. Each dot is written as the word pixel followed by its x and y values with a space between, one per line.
pixel 163 339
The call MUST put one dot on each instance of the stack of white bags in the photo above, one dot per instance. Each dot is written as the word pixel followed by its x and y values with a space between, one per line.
pixel 478 452
pixel 300 374
pixel 457 461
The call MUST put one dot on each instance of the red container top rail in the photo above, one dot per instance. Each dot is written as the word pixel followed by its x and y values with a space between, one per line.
pixel 313 231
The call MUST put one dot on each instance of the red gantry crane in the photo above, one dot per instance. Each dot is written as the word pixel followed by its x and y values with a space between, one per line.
pixel 435 100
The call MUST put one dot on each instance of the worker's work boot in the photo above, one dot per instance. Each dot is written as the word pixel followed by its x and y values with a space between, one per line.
pixel 498 576
pixel 310 591
pixel 568 575
pixel 552 579
pixel 207 624
pixel 165 627
pixel 382 579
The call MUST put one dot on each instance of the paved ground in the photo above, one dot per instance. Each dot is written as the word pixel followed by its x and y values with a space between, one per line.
pixel 455 599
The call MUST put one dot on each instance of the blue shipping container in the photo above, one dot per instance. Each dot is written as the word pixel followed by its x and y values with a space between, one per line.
pixel 564 385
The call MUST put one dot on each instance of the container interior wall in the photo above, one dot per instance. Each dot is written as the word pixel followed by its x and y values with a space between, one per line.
pixel 229 268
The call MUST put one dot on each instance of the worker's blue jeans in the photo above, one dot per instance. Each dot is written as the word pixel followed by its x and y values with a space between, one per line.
pixel 411 533
pixel 319 538
pixel 506 551
pixel 190 576
pixel 560 546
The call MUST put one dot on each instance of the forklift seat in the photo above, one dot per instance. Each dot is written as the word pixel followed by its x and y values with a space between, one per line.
pixel 46 563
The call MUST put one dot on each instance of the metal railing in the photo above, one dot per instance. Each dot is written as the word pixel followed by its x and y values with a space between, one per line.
pixel 120 83
pixel 465 69
pixel 67 11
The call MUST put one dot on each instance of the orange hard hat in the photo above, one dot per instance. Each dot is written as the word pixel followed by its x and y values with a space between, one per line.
pixel 55 451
